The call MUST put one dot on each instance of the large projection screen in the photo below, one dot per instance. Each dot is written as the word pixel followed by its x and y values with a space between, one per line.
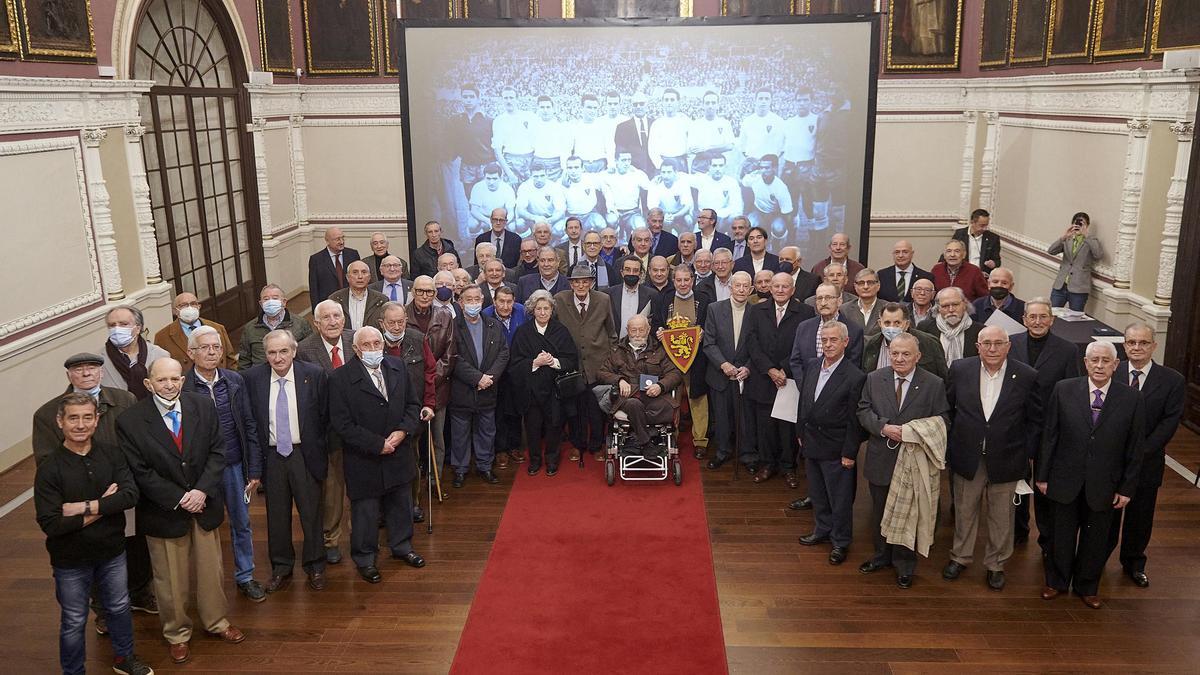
pixel 607 120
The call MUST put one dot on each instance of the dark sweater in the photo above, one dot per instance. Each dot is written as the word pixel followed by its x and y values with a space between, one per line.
pixel 66 477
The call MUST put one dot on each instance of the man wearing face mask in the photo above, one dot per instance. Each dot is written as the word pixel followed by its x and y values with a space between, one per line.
pixel 174 336
pixel 952 326
pixel 373 408
pixel 804 282
pixel 443 293
pixel 435 324
pixel 409 345
pixel 631 297
pixel 128 354
pixel 999 298
pixel 893 322
pixel 172 441
pixel 482 358
pixel 274 316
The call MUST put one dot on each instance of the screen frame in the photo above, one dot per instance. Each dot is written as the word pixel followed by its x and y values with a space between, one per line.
pixel 401 27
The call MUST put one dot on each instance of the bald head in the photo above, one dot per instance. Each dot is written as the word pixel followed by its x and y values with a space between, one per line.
pixel 335 240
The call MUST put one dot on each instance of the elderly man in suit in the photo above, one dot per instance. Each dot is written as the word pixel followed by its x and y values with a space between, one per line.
pixel 686 301
pixel 631 296
pixel 274 316
pixel 1163 400
pixel 507 243
pixel 839 252
pixel 662 242
pixel 588 317
pixel 997 417
pixel 807 344
pixel 804 282
pixel 172 442
pixel 330 348
pixel 1081 250
pixel 373 408
pixel 288 398
pixel 485 252
pixel 435 323
pixel 983 245
pixel 892 397
pixel 1054 359
pixel 509 315
pixel 1089 464
pixel 174 336
pixel 892 322
pixel 864 310
pixel 482 358
pixel 494 280
pixel 829 435
pixel 379 252
pixel 392 284
pixel 953 326
pixel 896 280
pixel 360 305
pixel 547 278
pixel 834 273
pixel 243 459
pixel 410 346
pixel 129 354
pixel 726 345
pixel 327 267
pixel 773 324
pixel 1000 298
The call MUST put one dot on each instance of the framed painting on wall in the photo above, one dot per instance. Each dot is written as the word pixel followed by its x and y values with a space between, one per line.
pixel 761 7
pixel 1071 24
pixel 838 6
pixel 275 35
pixel 499 9
pixel 1028 40
pixel 55 30
pixel 1176 25
pixel 582 9
pixel 1122 29
pixel 10 42
pixel 993 34
pixel 424 9
pixel 339 37
pixel 924 35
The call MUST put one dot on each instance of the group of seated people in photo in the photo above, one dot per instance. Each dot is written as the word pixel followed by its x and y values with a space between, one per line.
pixel 421 364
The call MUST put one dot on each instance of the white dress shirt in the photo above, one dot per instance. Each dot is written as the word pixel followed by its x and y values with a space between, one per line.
pixel 289 384
pixel 989 388
pixel 724 288
pixel 1141 378
pixel 358 309
pixel 825 374
pixel 629 307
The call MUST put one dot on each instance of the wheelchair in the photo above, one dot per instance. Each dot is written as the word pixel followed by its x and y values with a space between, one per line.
pixel 622 458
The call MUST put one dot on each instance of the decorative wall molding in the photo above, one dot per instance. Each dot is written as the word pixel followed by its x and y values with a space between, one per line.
pixel 299 179
pixel 1173 216
pixel 89 297
pixel 917 216
pixel 332 100
pixel 966 186
pixel 32 104
pixel 102 222
pixel 987 171
pixel 1136 152
pixel 885 118
pixel 143 212
pixel 354 122
pixel 256 128
pixel 352 218
pixel 1065 125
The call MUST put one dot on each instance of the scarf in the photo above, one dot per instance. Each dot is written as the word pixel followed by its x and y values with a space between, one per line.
pixel 952 337
pixel 134 374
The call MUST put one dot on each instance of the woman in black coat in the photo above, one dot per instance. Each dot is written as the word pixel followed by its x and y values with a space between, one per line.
pixel 542 349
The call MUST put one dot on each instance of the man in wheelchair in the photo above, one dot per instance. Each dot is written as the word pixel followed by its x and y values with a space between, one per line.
pixel 642 377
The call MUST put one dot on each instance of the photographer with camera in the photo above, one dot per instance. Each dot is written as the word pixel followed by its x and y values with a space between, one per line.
pixel 1080 250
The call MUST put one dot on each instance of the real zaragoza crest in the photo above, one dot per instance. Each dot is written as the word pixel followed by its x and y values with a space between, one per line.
pixel 682 341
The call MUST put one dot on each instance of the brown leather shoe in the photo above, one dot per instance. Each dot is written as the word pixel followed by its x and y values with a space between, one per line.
pixel 1093 601
pixel 180 652
pixel 277 583
pixel 792 481
pixel 574 456
pixel 517 456
pixel 1049 593
pixel 232 635
pixel 316 581
pixel 598 456
pixel 502 460
pixel 700 452
pixel 764 474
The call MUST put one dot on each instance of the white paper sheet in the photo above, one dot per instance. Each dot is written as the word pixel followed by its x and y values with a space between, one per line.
pixel 1009 324
pixel 787 400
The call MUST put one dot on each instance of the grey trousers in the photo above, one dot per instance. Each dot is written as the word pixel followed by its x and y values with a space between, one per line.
pixel 978 499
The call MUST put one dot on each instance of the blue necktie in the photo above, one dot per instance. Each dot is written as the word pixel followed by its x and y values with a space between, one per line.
pixel 283 421
pixel 392 291
pixel 174 415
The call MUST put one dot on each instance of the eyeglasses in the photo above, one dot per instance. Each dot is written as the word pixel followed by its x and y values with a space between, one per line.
pixel 208 348
pixel 188 304
pixel 423 291
pixel 1138 343
pixel 993 344
pixel 866 282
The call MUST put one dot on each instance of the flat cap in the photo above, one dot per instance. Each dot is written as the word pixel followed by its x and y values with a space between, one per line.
pixel 582 270
pixel 81 358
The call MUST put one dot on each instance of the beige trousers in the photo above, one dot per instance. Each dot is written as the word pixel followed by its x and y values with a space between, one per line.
pixel 975 499
pixel 172 561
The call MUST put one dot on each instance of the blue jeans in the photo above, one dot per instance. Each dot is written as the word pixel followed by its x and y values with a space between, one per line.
pixel 72 586
pixel 1061 297
pixel 462 439
pixel 234 485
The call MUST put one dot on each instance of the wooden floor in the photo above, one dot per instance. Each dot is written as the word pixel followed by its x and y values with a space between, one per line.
pixel 784 608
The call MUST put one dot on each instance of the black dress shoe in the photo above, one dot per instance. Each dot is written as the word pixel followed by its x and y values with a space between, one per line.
pixel 253 590
pixel 904 582
pixel 489 477
pixel 871 566
pixel 370 574
pixel 418 514
pixel 838 555
pixel 813 539
pixel 751 468
pixel 995 580
pixel 699 453
pixel 716 463
pixel 459 479
pixel 411 559
pixel 333 556
pixel 278 582
pixel 1140 579
pixel 534 468
pixel 953 569
pixel 802 504
pixel 551 470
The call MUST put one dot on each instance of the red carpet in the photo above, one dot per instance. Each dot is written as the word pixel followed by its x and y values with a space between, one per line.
pixel 586 578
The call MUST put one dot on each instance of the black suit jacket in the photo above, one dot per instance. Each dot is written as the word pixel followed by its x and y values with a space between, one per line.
pixel 828 424
pixel 1007 440
pixel 720 240
pixel 745 264
pixel 989 247
pixel 718 345
pixel 363 419
pixel 805 285
pixel 164 475
pixel 1058 361
pixel 771 346
pixel 511 252
pixel 626 137
pixel 311 406
pixel 646 296
pixel 1163 391
pixel 470 367
pixel 1102 460
pixel 804 345
pixel 887 283
pixel 322 277
pixel 668 245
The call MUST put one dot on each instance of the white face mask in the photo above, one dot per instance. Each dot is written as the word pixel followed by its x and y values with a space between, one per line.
pixel 372 359
pixel 392 337
pixel 189 314
pixel 120 336
pixel 637 344
pixel 165 402
pixel 272 307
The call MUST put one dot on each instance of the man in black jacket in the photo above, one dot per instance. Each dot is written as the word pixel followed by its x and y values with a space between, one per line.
pixel 996 415
pixel 327 267
pixel 173 443
pixel 425 258
pixel 80 492
pixel 373 408
pixel 982 245
pixel 482 358
pixel 685 300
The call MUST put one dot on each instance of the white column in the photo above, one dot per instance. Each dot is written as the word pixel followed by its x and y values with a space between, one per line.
pixel 256 128
pixel 102 222
pixel 1131 201
pixel 143 213
pixel 299 183
pixel 967 184
pixel 987 172
pixel 1184 132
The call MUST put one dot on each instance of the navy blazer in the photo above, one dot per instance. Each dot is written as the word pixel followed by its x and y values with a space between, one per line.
pixel 746 264
pixel 511 252
pixel 828 424
pixel 983 309
pixel 1005 441
pixel 720 240
pixel 529 283
pixel 311 406
pixel 887 282
pixel 804 346
pixel 514 322
pixel 243 418
pixel 668 244
pixel 1163 392
pixel 322 277
pixel 771 345
pixel 363 418
pixel 164 474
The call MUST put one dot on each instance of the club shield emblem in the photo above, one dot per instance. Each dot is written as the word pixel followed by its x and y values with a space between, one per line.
pixel 682 342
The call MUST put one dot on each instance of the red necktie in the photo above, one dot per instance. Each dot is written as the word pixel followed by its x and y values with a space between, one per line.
pixel 335 358
pixel 341 273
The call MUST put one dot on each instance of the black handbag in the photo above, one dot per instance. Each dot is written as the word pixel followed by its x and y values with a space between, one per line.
pixel 570 384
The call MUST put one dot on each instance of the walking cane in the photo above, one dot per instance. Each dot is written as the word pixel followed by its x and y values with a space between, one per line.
pixel 433 468
pixel 737 427
pixel 429 483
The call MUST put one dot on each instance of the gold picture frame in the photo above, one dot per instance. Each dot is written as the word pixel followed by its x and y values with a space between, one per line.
pixel 267 65
pixel 10 45
pixel 1054 25
pixel 1121 53
pixel 85 47
pixel 533 13
pixel 796 8
pixel 1156 46
pixel 904 63
pixel 347 68
pixel 1002 15
pixel 568 9
pixel 1043 38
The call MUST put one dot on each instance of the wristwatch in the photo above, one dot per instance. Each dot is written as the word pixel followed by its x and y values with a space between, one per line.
pixel 87 507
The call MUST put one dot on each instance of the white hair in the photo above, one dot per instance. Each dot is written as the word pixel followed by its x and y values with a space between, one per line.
pixel 197 333
pixel 328 306
pixel 368 331
pixel 485 246
pixel 1100 346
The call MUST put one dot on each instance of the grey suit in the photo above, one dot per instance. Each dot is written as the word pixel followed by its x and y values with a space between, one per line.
pixel 724 394
pixel 403 294
pixel 1075 271
pixel 924 396
pixel 851 313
